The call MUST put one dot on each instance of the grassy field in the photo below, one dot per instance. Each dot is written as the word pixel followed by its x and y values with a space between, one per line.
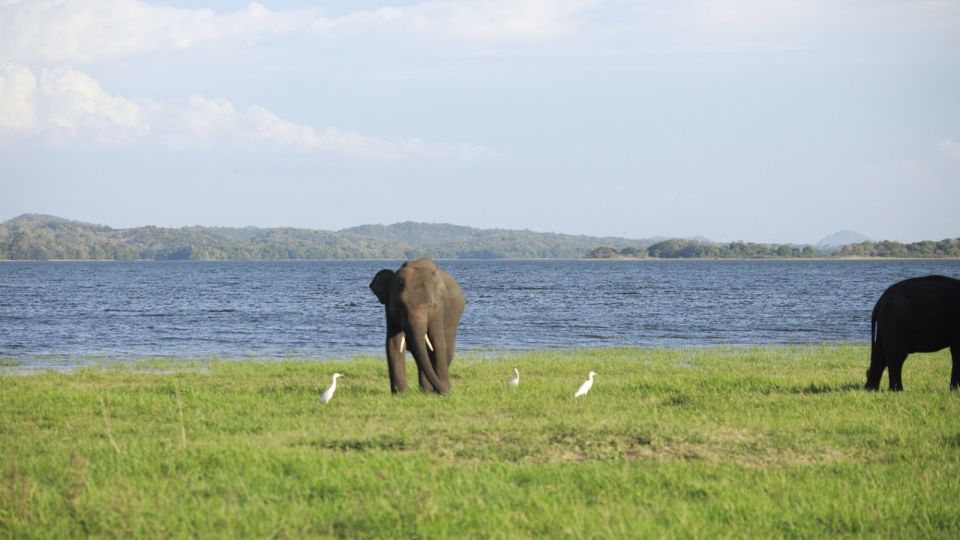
pixel 757 442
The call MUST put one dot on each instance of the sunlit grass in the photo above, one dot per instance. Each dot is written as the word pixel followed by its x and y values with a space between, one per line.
pixel 725 442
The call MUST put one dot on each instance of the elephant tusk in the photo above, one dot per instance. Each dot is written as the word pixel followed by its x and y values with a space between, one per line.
pixel 403 342
pixel 429 345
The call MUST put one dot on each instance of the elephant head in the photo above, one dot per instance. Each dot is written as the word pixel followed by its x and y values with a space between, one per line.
pixel 423 306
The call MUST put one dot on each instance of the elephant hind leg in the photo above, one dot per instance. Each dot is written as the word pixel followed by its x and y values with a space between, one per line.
pixel 955 374
pixel 878 363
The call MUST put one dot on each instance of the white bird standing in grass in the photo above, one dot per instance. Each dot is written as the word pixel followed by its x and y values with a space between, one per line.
pixel 328 393
pixel 515 381
pixel 585 387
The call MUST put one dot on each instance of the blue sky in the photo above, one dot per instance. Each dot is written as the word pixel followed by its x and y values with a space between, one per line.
pixel 775 121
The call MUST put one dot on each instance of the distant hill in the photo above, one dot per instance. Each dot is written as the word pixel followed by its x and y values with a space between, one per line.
pixel 26 218
pixel 447 241
pixel 691 248
pixel 41 237
pixel 679 248
pixel 841 238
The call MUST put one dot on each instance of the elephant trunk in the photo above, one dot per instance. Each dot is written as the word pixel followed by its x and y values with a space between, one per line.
pixel 420 346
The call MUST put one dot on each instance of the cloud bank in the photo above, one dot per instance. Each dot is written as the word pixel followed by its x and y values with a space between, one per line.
pixel 46 97
pixel 64 105
pixel 216 124
pixel 82 32
pixel 86 31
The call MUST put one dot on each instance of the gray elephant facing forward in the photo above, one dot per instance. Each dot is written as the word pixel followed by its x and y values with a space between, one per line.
pixel 423 305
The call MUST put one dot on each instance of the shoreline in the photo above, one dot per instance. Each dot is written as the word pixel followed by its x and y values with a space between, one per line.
pixel 506 259
pixel 820 259
pixel 15 365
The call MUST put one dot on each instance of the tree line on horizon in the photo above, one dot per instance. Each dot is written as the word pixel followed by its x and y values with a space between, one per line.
pixel 678 248
pixel 37 237
pixel 32 237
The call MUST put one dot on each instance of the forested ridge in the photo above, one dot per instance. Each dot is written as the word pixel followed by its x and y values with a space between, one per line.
pixel 695 249
pixel 40 237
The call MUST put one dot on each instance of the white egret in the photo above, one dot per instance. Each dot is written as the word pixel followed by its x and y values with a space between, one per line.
pixel 328 393
pixel 515 381
pixel 585 387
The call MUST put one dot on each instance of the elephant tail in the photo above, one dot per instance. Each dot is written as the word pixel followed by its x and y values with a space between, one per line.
pixel 873 324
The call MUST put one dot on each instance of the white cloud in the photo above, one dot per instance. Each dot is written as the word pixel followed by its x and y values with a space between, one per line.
pixel 470 20
pixel 216 123
pixel 18 88
pixel 64 102
pixel 89 31
pixel 201 123
pixel 77 102
pixel 950 148
pixel 86 31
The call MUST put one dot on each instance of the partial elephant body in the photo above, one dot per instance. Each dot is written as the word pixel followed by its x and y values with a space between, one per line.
pixel 423 306
pixel 914 315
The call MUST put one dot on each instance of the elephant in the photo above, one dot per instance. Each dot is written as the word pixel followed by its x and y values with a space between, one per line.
pixel 423 306
pixel 915 315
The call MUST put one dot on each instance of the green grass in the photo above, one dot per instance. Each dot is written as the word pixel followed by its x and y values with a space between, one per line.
pixel 757 442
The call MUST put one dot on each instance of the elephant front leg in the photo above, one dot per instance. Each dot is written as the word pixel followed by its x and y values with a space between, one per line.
pixel 396 362
pixel 896 373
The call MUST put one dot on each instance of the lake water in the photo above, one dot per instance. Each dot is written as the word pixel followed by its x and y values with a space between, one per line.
pixel 61 313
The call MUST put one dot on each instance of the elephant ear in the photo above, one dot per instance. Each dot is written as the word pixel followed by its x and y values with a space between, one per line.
pixel 381 285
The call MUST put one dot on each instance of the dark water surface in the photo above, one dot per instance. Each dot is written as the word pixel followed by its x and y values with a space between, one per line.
pixel 65 311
